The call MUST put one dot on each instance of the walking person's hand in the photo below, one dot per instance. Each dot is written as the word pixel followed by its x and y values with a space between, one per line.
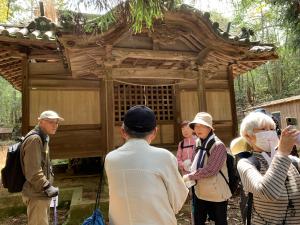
pixel 287 140
pixel 51 191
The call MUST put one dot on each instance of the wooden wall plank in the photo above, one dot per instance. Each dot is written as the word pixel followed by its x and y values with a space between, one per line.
pixel 219 105
pixel 65 84
pixel 167 131
pixel 189 105
pixel 47 68
pixel 76 144
pixel 76 106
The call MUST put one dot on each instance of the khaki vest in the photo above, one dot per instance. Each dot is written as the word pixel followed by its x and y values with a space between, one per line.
pixel 214 188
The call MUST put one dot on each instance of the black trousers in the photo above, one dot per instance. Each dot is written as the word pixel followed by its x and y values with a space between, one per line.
pixel 217 211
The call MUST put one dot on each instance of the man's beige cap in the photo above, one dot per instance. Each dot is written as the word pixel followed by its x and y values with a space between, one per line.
pixel 49 114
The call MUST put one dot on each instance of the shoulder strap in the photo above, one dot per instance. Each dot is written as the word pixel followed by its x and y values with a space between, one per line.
pixel 208 146
pixel 187 146
pixel 30 134
pixel 181 144
pixel 255 162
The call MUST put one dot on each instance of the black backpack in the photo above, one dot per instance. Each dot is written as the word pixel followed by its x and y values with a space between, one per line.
pixel 12 175
pixel 233 181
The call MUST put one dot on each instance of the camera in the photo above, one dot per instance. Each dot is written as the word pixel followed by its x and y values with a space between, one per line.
pixel 292 122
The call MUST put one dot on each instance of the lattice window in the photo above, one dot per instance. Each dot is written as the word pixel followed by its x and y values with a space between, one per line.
pixel 158 98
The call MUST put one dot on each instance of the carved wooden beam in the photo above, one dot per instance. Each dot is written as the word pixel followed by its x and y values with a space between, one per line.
pixel 124 73
pixel 153 54
pixel 200 60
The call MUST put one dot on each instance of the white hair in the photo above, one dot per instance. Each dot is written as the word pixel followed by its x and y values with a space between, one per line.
pixel 255 120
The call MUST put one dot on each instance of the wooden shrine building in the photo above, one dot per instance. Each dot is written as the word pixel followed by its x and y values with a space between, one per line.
pixel 186 64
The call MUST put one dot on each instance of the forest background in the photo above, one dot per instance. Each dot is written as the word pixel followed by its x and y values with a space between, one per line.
pixel 273 21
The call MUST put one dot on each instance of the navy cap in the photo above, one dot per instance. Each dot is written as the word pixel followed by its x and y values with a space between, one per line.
pixel 140 118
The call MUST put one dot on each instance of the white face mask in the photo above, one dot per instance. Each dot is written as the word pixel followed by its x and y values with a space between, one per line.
pixel 267 140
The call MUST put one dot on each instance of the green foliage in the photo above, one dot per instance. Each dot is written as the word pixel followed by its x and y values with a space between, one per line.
pixel 276 79
pixel 3 10
pixel 139 13
pixel 10 101
pixel 283 13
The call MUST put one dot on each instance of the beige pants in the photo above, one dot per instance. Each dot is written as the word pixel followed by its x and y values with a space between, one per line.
pixel 37 210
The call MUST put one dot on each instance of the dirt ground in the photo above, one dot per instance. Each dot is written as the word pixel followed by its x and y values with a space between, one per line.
pixel 183 217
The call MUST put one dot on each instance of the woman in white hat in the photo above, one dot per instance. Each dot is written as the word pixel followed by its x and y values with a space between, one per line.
pixel 275 183
pixel 211 193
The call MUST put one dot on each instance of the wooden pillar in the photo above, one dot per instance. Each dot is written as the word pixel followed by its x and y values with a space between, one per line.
pixel 177 114
pixel 201 91
pixel 109 110
pixel 232 101
pixel 25 96
pixel 103 138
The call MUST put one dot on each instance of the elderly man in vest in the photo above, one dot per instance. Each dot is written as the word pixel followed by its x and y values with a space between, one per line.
pixel 145 186
pixel 211 192
pixel 37 189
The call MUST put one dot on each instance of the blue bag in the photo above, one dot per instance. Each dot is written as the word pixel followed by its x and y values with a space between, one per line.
pixel 95 219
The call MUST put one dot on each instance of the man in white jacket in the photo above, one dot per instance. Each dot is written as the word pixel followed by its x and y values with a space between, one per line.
pixel 145 187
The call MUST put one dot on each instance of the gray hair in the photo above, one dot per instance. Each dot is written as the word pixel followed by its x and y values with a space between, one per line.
pixel 134 134
pixel 255 120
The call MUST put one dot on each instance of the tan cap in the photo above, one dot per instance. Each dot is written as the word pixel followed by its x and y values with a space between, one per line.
pixel 239 145
pixel 203 118
pixel 49 114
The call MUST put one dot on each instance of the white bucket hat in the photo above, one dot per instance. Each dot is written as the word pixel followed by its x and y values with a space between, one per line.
pixel 202 118
pixel 49 114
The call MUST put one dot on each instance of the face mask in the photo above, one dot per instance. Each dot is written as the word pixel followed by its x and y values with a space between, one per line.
pixel 267 140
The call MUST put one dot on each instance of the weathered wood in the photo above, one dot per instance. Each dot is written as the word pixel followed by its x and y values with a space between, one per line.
pixel 45 54
pixel 201 91
pixel 152 54
pixel 103 111
pixel 128 73
pixel 110 121
pixel 75 106
pixel 80 127
pixel 9 62
pixel 11 71
pixel 232 102
pixel 47 68
pixel 76 143
pixel 189 104
pixel 25 98
pixel 65 84
pixel 219 104
pixel 177 114
pixel 201 57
